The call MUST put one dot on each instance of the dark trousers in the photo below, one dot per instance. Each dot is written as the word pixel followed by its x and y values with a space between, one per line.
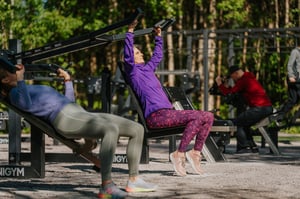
pixel 245 120
pixel 294 96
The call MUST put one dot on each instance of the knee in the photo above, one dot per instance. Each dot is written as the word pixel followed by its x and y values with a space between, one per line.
pixel 206 116
pixel 135 127
pixel 139 129
pixel 111 130
pixel 134 130
pixel 210 116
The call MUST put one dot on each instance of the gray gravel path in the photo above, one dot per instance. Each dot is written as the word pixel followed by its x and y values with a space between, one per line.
pixel 243 176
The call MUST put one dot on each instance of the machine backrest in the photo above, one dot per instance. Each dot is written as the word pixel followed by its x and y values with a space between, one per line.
pixel 150 133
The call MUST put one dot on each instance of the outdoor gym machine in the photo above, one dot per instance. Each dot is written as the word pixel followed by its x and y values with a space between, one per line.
pixel 14 55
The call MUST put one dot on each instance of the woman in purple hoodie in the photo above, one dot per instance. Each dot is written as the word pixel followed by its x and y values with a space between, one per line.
pixel 158 110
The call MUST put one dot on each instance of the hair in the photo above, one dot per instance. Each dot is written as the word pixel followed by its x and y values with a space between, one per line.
pixel 233 69
pixel 2 75
pixel 3 87
pixel 121 55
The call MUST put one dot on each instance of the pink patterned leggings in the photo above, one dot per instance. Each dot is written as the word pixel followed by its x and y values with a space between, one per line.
pixel 198 123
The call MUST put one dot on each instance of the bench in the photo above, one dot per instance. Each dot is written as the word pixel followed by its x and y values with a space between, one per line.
pixel 211 151
pixel 261 126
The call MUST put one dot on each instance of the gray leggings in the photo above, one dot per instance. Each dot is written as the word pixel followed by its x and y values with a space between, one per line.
pixel 75 122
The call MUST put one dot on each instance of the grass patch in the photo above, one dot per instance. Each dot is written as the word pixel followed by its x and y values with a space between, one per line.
pixel 285 138
pixel 289 138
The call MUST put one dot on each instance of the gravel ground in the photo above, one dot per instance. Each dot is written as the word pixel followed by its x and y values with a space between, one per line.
pixel 242 176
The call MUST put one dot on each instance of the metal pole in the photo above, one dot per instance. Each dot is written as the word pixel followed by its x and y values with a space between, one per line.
pixel 14 122
pixel 231 54
pixel 230 60
pixel 106 90
pixel 205 68
pixel 189 40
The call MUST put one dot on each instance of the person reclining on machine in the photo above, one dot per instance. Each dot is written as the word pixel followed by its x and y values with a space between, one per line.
pixel 157 108
pixel 72 121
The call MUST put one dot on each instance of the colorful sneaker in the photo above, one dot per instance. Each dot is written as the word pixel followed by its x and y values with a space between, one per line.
pixel 195 160
pixel 140 186
pixel 111 191
pixel 178 164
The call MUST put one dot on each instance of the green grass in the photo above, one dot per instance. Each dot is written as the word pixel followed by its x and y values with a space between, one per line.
pixel 285 138
pixel 289 138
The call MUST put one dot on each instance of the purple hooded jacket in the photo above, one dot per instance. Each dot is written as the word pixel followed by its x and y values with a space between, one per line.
pixel 142 77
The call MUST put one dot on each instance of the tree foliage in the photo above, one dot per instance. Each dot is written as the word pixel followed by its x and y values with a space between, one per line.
pixel 40 22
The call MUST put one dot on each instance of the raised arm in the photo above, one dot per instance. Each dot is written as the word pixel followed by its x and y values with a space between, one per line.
pixel 158 49
pixel 129 45
pixel 69 89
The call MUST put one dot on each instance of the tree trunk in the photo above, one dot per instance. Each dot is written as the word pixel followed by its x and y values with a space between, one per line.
pixel 287 13
pixel 111 52
pixel 211 54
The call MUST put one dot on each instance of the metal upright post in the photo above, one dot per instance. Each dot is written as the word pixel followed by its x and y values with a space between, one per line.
pixel 14 122
pixel 189 48
pixel 37 151
pixel 230 60
pixel 231 54
pixel 205 68
pixel 106 90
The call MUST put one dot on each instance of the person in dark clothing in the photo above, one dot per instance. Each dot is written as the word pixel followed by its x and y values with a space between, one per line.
pixel 258 104
pixel 293 77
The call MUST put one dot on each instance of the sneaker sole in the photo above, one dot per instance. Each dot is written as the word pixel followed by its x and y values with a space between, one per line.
pixel 188 157
pixel 131 190
pixel 174 167
pixel 102 195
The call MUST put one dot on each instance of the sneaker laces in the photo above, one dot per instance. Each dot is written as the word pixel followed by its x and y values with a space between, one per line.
pixel 194 159
pixel 180 161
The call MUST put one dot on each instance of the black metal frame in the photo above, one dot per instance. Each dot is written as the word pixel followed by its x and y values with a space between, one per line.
pixel 176 94
pixel 38 127
pixel 78 43
pixel 37 157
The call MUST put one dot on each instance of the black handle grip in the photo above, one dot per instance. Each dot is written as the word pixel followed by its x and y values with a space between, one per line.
pixel 7 65
pixel 165 23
